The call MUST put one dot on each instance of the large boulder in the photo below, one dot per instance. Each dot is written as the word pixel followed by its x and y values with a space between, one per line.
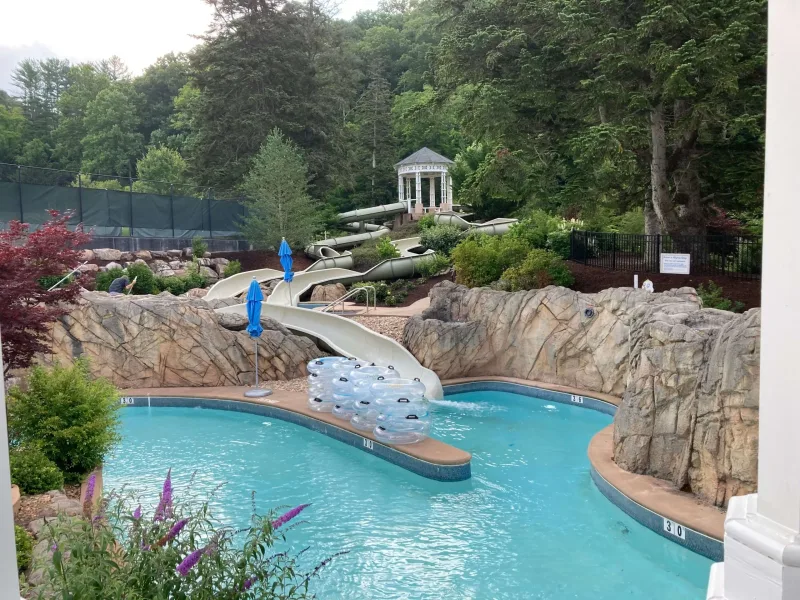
pixel 554 335
pixel 164 341
pixel 328 293
pixel 690 412
pixel 143 254
pixel 107 254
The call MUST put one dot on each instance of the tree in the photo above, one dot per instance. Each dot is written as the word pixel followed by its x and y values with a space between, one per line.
pixel 34 154
pixel 26 307
pixel 159 170
pixel 12 124
pixel 111 143
pixel 86 82
pixel 114 68
pixel 159 85
pixel 375 177
pixel 277 191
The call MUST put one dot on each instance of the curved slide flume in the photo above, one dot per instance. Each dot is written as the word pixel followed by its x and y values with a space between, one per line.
pixel 348 338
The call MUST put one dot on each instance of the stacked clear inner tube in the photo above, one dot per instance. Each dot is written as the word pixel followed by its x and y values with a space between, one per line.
pixel 372 398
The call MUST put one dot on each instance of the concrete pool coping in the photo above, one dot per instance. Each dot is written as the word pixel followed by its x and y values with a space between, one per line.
pixel 429 458
pixel 650 501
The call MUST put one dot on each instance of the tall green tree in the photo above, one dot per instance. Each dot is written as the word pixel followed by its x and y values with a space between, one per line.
pixel 159 85
pixel 277 190
pixel 12 125
pixel 160 171
pixel 112 143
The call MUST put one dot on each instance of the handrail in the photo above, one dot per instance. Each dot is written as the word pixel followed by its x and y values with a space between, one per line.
pixel 354 292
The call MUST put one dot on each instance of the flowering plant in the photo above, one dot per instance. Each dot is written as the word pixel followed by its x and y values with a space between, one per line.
pixel 172 553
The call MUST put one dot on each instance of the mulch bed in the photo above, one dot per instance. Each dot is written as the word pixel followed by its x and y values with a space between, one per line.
pixel 594 279
pixel 421 291
pixel 264 259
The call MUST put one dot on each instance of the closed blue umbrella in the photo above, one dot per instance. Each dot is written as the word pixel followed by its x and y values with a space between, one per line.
pixel 285 254
pixel 254 299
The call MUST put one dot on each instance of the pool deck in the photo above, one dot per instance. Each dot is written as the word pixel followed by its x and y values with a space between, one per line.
pixel 453 463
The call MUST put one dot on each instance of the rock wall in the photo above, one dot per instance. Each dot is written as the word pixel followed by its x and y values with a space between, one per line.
pixel 545 335
pixel 688 376
pixel 164 341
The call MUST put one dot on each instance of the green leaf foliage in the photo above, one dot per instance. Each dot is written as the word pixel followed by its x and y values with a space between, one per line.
pixel 481 259
pixel 441 238
pixel 712 296
pixel 33 472
pixel 67 414
pixel 24 545
pixel 539 269
pixel 104 278
pixel 232 268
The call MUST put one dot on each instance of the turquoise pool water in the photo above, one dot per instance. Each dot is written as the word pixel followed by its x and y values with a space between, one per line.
pixel 530 524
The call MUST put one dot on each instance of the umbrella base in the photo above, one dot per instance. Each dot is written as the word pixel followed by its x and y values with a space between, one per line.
pixel 257 393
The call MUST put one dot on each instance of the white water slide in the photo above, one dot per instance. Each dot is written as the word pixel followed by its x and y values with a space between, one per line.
pixel 348 338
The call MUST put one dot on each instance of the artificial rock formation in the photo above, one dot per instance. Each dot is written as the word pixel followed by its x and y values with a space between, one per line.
pixel 688 376
pixel 164 341
pixel 545 335
pixel 328 293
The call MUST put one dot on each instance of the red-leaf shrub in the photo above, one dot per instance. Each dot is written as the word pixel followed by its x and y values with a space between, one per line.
pixel 27 308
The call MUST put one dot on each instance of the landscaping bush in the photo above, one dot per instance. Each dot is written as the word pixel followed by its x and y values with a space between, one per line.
pixel 630 222
pixel 388 294
pixel 426 222
pixel 441 238
pixel 71 417
pixel 481 259
pixel 49 281
pixel 559 242
pixel 199 247
pixel 381 289
pixel 386 249
pixel 193 279
pixel 712 297
pixel 33 472
pixel 174 285
pixel 366 256
pixel 145 279
pixel 104 278
pixel 534 229
pixel 176 551
pixel 539 269
pixel 232 268
pixel 431 266
pixel 24 544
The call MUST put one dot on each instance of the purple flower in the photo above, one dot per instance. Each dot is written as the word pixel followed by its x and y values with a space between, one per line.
pixel 54 547
pixel 174 530
pixel 89 496
pixel 248 583
pixel 137 514
pixel 288 516
pixel 190 561
pixel 164 508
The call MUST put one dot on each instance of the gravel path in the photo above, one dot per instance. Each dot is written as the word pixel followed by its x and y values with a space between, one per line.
pixel 391 327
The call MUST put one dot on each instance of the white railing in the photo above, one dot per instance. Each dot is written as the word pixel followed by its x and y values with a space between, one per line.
pixel 352 294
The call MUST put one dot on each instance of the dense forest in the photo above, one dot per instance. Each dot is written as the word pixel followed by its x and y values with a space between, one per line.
pixel 631 115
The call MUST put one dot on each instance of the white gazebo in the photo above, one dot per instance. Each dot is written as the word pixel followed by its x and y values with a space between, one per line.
pixel 432 166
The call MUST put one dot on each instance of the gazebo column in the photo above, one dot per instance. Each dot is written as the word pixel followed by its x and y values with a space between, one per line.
pixel 400 190
pixel 418 204
pixel 762 531
pixel 449 190
pixel 432 203
pixel 443 205
pixel 408 193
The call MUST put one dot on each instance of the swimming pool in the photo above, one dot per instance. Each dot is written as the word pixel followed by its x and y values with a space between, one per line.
pixel 529 524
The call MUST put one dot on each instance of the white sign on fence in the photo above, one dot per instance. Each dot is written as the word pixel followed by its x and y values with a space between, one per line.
pixel 676 264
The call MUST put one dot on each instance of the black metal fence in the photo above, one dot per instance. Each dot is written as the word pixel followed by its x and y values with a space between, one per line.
pixel 117 206
pixel 731 255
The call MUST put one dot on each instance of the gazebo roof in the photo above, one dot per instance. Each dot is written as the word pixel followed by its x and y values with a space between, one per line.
pixel 424 155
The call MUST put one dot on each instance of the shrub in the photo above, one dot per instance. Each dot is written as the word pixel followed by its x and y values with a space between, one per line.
pixel 24 544
pixel 426 222
pixel 232 268
pixel 539 269
pixel 534 229
pixel 630 222
pixel 174 285
pixel 199 247
pixel 712 297
pixel 381 288
pixel 104 278
pixel 559 242
pixel 480 259
pixel 193 279
pixel 386 249
pixel 66 413
pixel 177 551
pixel 145 279
pixel 432 265
pixel 33 472
pixel 49 281
pixel 390 294
pixel 366 256
pixel 441 238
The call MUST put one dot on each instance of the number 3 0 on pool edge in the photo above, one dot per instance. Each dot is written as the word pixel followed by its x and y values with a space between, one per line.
pixel 676 529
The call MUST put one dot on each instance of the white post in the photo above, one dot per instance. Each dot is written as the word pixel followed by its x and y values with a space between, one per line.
pixel 9 582
pixel 450 190
pixel 762 531
pixel 418 196
pixel 400 188
pixel 432 183
pixel 443 192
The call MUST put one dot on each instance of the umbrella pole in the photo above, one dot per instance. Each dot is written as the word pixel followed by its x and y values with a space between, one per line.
pixel 256 345
pixel 257 392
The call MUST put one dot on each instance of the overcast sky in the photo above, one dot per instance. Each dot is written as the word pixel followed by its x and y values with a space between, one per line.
pixel 88 30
